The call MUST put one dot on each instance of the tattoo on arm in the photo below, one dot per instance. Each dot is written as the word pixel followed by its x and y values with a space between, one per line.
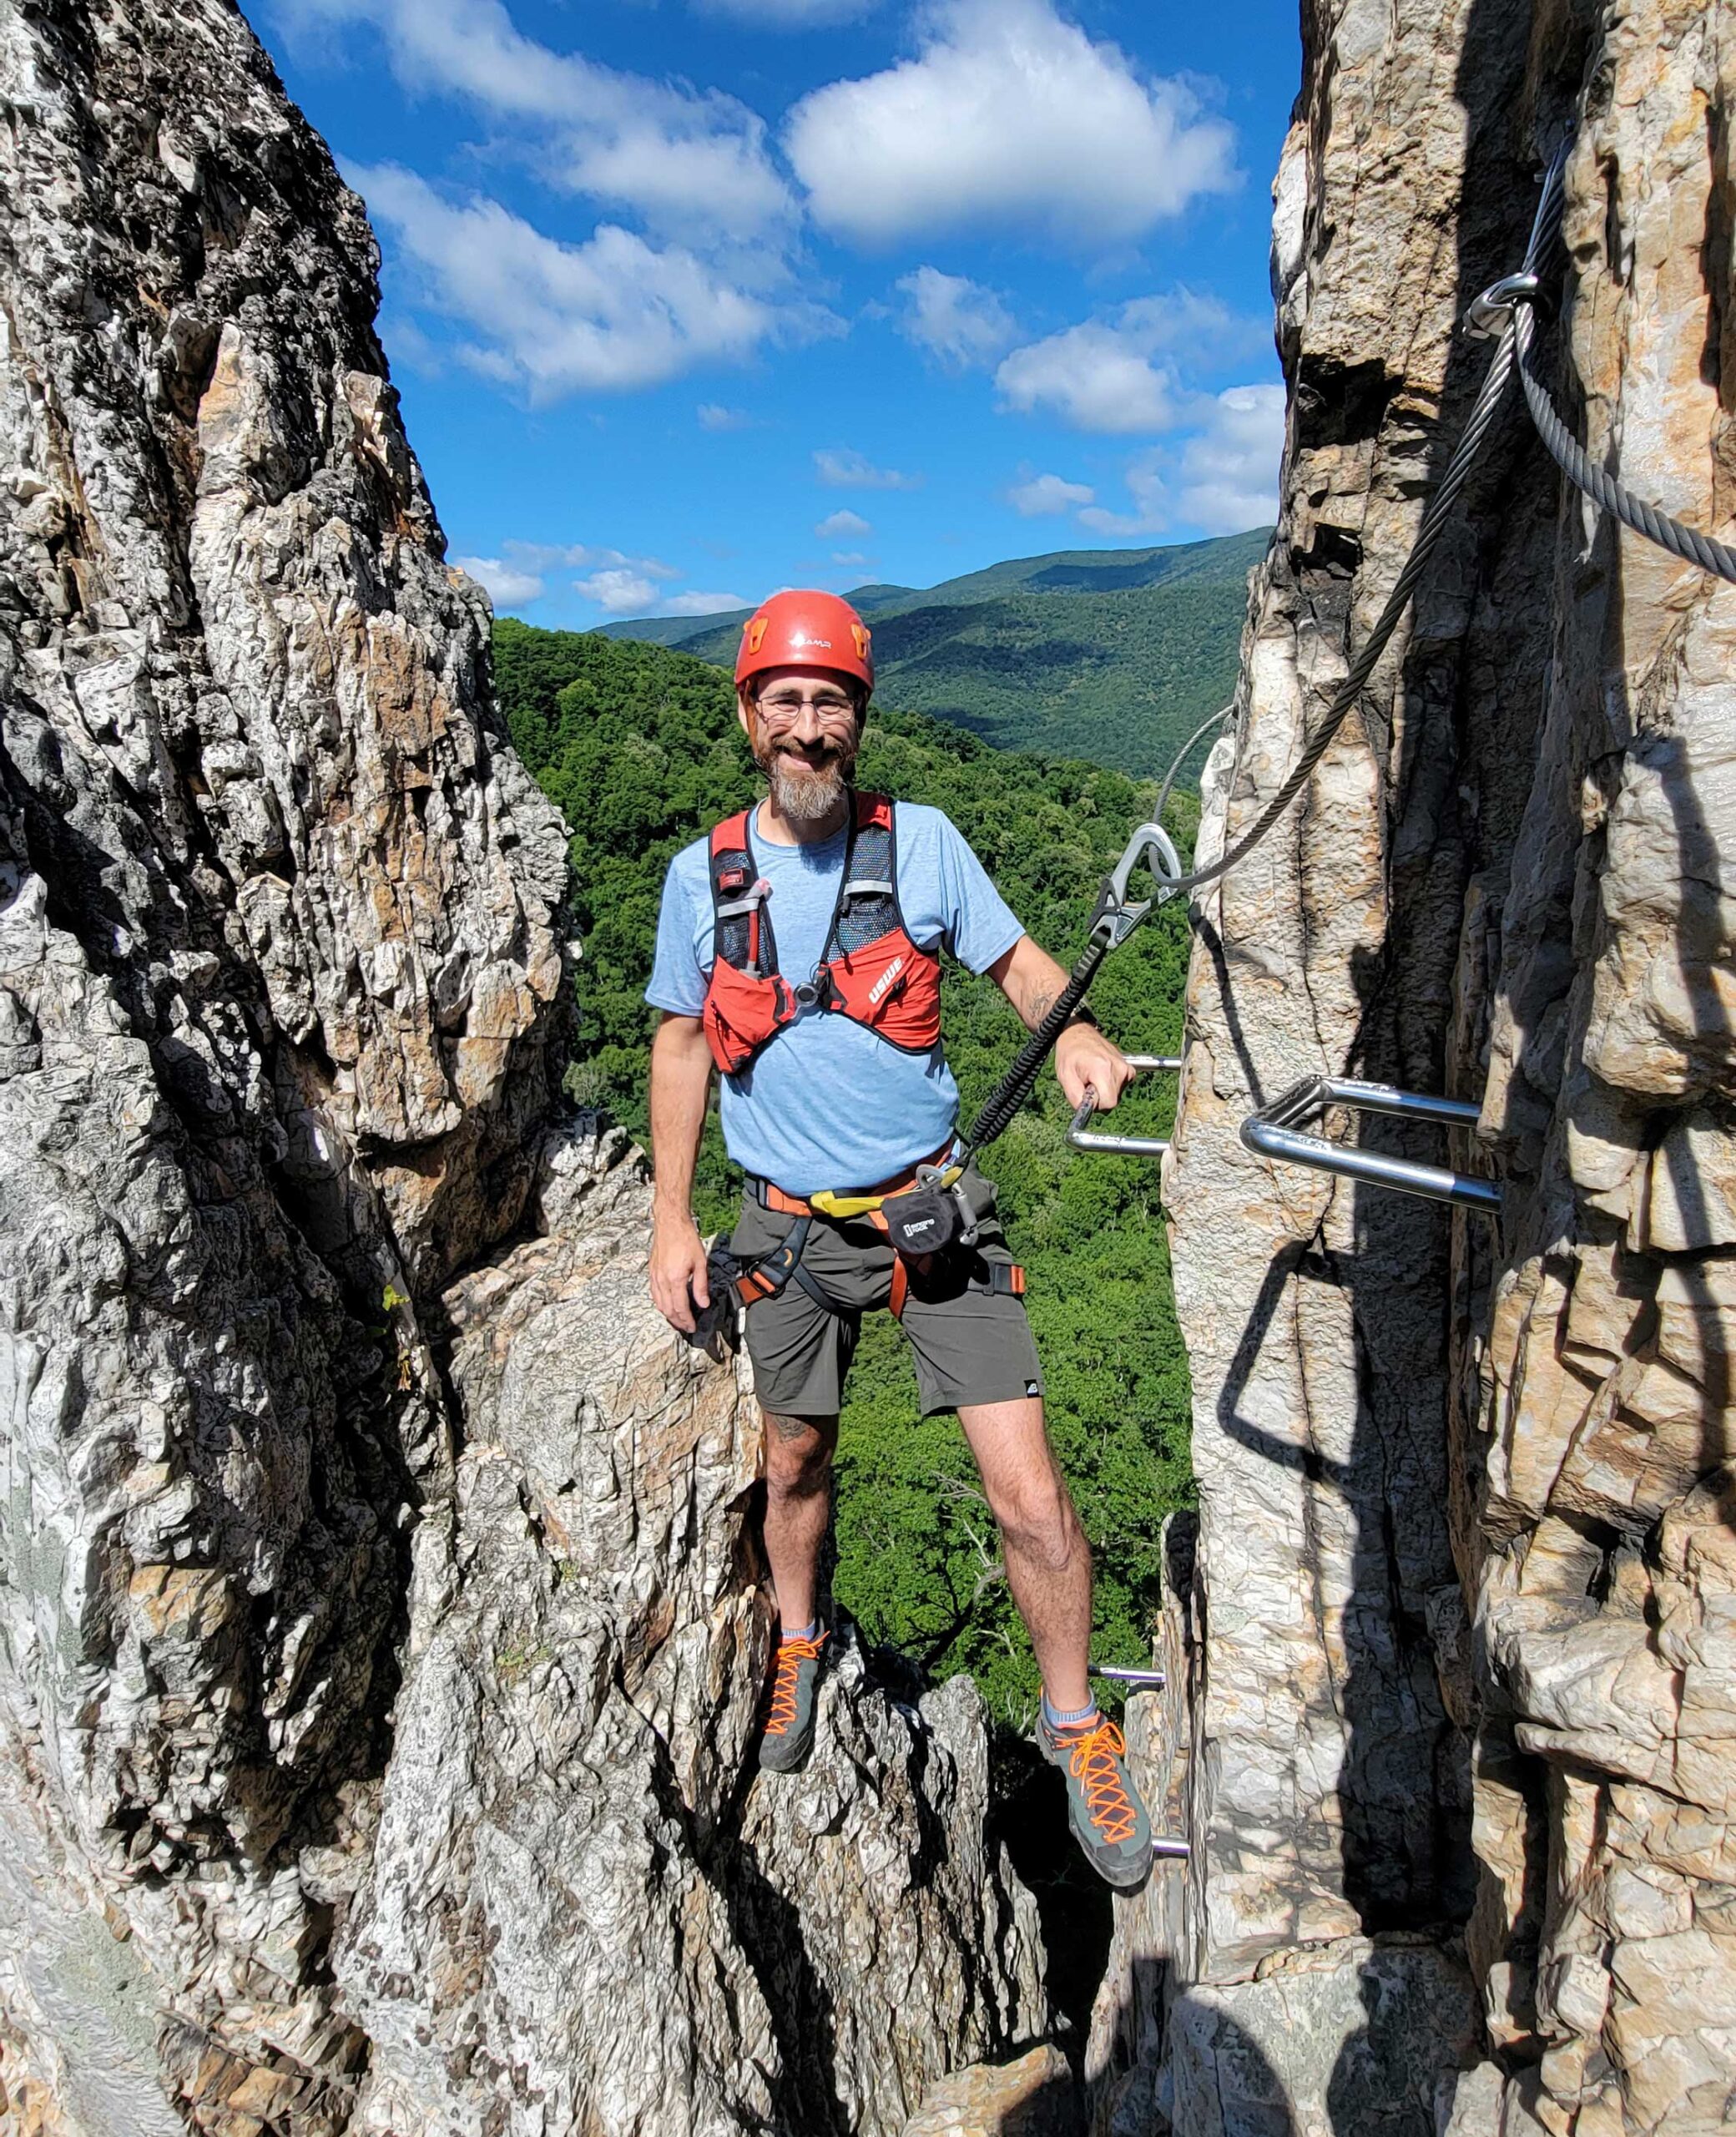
pixel 1042 1002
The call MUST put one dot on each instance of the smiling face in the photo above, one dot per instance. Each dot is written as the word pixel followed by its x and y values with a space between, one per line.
pixel 804 727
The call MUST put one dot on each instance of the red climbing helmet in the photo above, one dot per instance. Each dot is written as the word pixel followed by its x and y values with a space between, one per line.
pixel 803 628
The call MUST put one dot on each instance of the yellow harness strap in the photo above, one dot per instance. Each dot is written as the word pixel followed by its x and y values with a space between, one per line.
pixel 831 1204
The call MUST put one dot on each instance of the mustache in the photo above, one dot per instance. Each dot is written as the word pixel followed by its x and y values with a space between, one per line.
pixel 817 757
pixel 823 753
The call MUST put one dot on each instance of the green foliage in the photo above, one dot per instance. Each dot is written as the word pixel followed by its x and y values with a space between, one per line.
pixel 639 748
pixel 1111 654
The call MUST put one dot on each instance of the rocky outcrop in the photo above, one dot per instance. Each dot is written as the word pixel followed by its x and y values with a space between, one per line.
pixel 572 1893
pixel 1453 1669
pixel 380 1631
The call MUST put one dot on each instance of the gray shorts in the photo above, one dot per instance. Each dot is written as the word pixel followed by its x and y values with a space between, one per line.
pixel 971 1344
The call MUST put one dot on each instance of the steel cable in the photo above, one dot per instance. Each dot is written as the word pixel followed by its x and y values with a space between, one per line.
pixel 1477 426
pixel 1180 758
pixel 1601 488
pixel 1004 1102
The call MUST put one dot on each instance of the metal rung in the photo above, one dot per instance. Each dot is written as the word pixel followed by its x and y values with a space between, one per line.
pixel 1082 1137
pixel 1276 1132
pixel 1120 1676
pixel 1177 1850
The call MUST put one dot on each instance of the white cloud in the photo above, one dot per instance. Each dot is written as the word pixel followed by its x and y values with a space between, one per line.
pixel 958 321
pixel 1008 115
pixel 507 586
pixel 851 557
pixel 610 314
pixel 846 469
pixel 1223 478
pixel 698 604
pixel 1229 472
pixel 1117 374
pixel 695 163
pixel 1151 514
pixel 626 592
pixel 621 592
pixel 1105 374
pixel 550 556
pixel 1039 496
pixel 713 415
pixel 837 525
pixel 1092 378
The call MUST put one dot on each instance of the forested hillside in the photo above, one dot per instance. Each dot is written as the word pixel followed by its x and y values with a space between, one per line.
pixel 639 747
pixel 1114 654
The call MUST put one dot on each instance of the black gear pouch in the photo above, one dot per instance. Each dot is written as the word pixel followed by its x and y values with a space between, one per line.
pixel 929 1218
pixel 923 1221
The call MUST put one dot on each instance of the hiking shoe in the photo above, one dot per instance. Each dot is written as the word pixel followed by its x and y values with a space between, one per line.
pixel 1102 1805
pixel 789 1737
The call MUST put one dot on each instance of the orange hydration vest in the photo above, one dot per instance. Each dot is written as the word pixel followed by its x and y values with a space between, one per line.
pixel 870 969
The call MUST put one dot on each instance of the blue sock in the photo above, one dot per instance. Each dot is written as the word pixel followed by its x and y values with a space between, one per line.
pixel 1057 1720
pixel 799 1632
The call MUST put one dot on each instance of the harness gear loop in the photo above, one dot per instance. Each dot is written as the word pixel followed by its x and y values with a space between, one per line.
pixel 832 1203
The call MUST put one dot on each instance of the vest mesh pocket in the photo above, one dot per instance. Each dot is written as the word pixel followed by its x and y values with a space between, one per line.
pixel 865 917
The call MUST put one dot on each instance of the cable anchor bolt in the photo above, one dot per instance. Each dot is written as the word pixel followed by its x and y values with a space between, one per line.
pixel 1489 314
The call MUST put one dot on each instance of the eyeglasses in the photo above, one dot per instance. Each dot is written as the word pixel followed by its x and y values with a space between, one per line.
pixel 779 710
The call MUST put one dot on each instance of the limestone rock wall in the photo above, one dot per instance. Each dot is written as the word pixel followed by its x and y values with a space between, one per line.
pixel 1454 1668
pixel 379 1632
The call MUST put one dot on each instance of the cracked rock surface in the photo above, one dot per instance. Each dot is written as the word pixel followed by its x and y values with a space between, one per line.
pixel 1452 1698
pixel 380 1636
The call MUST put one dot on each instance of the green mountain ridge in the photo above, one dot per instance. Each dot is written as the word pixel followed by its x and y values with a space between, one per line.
pixel 1109 654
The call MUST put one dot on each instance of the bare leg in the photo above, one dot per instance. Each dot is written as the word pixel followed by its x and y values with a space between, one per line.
pixel 1048 1560
pixel 798 1502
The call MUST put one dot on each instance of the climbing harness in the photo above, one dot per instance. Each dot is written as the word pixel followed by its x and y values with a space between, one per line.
pixel 1275 1131
pixel 938 1204
pixel 870 969
pixel 729 1277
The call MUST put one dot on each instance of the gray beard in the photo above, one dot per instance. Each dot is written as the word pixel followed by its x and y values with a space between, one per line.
pixel 805 797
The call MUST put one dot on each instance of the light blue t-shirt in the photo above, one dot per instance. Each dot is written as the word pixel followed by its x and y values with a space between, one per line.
pixel 827 1104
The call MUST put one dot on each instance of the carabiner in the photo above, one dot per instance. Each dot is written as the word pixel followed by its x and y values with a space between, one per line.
pixel 1115 919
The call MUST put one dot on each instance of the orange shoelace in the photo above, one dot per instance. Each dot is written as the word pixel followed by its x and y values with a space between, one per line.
pixel 790 1652
pixel 1093 1763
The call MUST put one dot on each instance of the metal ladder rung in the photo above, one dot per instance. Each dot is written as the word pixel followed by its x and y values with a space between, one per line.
pixel 1083 1137
pixel 1275 1131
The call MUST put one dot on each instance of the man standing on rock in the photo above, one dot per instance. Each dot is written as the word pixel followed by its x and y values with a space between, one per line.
pixel 797 954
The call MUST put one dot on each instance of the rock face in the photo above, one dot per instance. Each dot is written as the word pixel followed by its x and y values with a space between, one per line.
pixel 1453 1674
pixel 380 1631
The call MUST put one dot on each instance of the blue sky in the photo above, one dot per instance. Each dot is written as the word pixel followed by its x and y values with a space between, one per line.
pixel 690 299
